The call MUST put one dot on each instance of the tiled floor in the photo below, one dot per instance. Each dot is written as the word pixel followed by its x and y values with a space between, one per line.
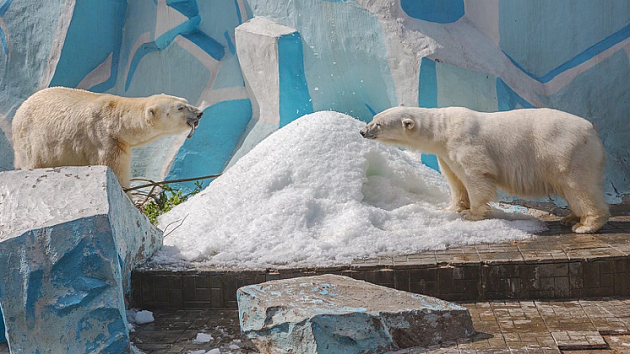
pixel 175 331
pixel 514 327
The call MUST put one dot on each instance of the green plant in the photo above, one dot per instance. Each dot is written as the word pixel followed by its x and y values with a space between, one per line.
pixel 166 199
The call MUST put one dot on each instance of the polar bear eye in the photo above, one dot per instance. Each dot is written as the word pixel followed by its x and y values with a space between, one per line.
pixel 181 108
pixel 378 125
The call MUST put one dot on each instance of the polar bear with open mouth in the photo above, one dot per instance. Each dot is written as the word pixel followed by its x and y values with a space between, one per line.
pixel 61 126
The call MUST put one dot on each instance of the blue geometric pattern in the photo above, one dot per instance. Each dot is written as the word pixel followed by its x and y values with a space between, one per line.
pixel 295 100
pixel 438 11
pixel 187 29
pixel 4 5
pixel 79 55
pixel 546 38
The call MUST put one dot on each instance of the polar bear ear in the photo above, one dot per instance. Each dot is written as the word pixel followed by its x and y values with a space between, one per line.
pixel 401 105
pixel 150 112
pixel 408 123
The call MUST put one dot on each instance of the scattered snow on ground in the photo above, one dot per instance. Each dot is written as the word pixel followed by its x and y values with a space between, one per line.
pixel 211 351
pixel 143 317
pixel 203 338
pixel 135 350
pixel 315 193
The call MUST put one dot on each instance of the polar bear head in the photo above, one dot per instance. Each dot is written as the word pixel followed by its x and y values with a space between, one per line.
pixel 395 125
pixel 171 115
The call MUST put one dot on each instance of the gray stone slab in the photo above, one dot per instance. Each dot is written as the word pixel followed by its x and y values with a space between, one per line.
pixel 337 314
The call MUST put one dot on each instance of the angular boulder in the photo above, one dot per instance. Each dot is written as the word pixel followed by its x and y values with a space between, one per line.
pixel 337 314
pixel 69 238
pixel 272 63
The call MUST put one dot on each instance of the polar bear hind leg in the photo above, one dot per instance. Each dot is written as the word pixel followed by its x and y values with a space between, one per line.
pixel 589 211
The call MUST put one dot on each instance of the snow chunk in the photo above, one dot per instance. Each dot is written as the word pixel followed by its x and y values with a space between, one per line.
pixel 135 350
pixel 144 316
pixel 212 351
pixel 203 338
pixel 315 193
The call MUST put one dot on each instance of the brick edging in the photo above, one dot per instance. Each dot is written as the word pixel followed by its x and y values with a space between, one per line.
pixel 475 281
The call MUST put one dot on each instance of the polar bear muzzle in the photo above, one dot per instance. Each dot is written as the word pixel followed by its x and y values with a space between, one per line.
pixel 193 121
pixel 369 131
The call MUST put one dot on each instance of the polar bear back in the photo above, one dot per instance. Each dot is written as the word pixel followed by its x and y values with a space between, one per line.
pixel 61 127
pixel 527 151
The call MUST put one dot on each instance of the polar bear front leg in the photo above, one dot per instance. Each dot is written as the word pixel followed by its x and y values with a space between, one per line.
pixel 122 170
pixel 481 190
pixel 119 161
pixel 459 194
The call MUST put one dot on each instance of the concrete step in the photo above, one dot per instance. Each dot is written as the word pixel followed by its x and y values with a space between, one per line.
pixel 556 264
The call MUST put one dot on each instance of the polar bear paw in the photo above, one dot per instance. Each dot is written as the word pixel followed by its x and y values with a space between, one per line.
pixel 590 224
pixel 583 229
pixel 458 208
pixel 470 216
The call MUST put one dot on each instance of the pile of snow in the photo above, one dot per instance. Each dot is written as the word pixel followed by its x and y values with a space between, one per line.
pixel 315 193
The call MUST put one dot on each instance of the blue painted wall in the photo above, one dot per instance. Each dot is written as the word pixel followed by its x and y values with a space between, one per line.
pixel 547 37
pixel 295 100
pixel 95 32
pixel 439 11
pixel 351 56
pixel 606 88
pixel 214 143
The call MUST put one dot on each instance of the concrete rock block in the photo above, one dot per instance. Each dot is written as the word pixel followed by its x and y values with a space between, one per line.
pixel 272 63
pixel 337 314
pixel 69 238
pixel 257 48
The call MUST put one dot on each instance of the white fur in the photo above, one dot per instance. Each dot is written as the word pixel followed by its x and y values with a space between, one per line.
pixel 60 126
pixel 526 152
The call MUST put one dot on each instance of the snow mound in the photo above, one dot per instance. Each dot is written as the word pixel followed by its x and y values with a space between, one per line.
pixel 315 193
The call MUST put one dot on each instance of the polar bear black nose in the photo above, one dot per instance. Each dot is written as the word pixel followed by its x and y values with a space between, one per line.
pixel 199 115
pixel 362 133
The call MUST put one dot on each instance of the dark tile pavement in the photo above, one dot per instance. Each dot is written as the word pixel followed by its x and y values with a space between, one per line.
pixel 599 326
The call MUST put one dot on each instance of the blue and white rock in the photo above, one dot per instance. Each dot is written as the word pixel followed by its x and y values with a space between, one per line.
pixel 69 238
pixel 337 314
pixel 271 61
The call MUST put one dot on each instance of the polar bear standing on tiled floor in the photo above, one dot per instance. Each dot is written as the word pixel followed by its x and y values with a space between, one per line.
pixel 526 152
pixel 60 126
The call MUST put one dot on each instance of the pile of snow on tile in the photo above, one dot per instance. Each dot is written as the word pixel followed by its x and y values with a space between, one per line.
pixel 315 193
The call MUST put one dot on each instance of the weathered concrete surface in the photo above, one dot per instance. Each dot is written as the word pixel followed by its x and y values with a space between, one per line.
pixel 336 314
pixel 69 238
pixel 46 197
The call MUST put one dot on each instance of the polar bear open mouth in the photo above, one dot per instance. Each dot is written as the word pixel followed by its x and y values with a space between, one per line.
pixel 193 123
